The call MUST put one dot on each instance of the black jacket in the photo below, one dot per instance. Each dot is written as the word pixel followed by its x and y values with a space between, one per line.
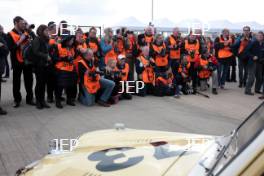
pixel 257 49
pixel 40 52
pixel 3 54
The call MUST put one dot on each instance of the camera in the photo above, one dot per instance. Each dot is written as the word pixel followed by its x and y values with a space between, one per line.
pixel 31 26
pixel 93 75
pixel 192 53
pixel 116 74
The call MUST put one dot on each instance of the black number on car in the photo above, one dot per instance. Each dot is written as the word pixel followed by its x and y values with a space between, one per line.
pixel 107 162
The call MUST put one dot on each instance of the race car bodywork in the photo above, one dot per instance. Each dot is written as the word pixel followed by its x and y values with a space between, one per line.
pixel 130 152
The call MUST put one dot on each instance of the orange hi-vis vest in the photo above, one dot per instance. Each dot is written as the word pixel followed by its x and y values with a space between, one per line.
pixel 149 39
pixel 79 57
pixel 204 73
pixel 243 45
pixel 226 51
pixel 64 65
pixel 209 45
pixel 52 42
pixel 84 37
pixel 174 53
pixel 125 72
pixel 120 46
pixel 160 61
pixel 193 47
pixel 16 38
pixel 148 75
pixel 110 55
pixel 93 46
pixel 92 85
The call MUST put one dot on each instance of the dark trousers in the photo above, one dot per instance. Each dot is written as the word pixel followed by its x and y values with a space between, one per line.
pixel 0 89
pixel 41 82
pixel 243 71
pixel 51 82
pixel 28 82
pixel 174 64
pixel 194 76
pixel 147 90
pixel 70 92
pixel 7 69
pixel 231 71
pixel 131 62
pixel 259 76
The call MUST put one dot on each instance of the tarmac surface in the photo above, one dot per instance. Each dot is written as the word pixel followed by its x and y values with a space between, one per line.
pixel 25 132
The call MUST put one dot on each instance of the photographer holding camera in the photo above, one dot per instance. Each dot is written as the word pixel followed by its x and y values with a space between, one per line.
pixel 93 42
pixel 66 76
pixel 223 49
pixel 192 50
pixel 108 48
pixel 158 53
pixel 16 39
pixel 91 82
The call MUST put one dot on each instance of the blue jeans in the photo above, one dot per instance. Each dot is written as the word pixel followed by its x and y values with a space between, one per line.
pixel 250 77
pixel 88 99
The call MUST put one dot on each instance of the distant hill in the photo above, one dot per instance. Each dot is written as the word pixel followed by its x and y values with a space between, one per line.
pixel 188 22
pixel 130 21
pixel 222 24
pixel 252 24
pixel 216 24
pixel 164 22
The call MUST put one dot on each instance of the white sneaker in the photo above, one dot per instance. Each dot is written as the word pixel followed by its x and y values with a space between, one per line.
pixel 177 96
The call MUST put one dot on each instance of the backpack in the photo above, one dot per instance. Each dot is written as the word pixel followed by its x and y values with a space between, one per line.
pixel 27 53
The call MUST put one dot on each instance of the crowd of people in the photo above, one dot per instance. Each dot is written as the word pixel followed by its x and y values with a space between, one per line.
pixel 92 69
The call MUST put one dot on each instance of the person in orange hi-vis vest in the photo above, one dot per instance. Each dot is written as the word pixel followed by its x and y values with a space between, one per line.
pixel 164 84
pixel 91 82
pixel 93 42
pixel 183 78
pixel 223 50
pixel 66 76
pixel 147 38
pixel 16 39
pixel 123 68
pixel 192 49
pixel 158 53
pixel 145 70
pixel 174 44
pixel 207 67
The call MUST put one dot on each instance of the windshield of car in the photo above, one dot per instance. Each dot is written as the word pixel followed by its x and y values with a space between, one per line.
pixel 241 137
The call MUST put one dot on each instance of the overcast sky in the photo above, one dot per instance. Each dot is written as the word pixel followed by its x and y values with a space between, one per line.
pixel 110 12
